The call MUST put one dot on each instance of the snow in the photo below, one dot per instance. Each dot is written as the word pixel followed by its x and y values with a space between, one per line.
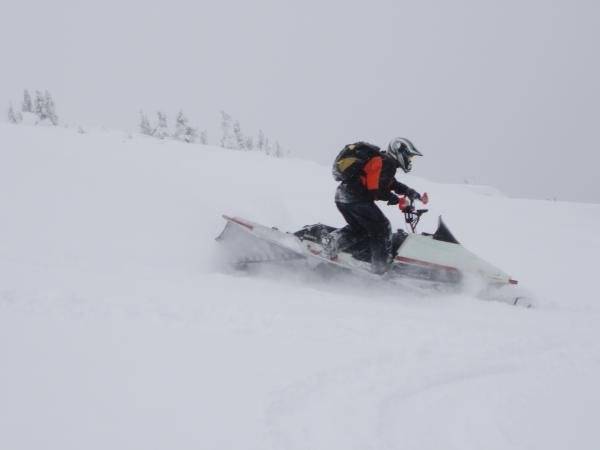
pixel 121 328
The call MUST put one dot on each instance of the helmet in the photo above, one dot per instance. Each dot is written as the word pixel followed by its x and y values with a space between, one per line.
pixel 402 151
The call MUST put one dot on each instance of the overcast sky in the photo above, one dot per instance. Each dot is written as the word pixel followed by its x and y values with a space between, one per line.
pixel 505 92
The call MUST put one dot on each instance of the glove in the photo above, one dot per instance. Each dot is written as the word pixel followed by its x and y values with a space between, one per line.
pixel 393 200
pixel 413 195
pixel 403 204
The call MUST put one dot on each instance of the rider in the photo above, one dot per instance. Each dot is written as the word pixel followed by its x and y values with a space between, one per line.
pixel 355 199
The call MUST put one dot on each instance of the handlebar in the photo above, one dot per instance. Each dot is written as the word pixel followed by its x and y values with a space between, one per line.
pixel 412 215
pixel 411 210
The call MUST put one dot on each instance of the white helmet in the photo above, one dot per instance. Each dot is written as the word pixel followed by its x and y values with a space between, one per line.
pixel 402 151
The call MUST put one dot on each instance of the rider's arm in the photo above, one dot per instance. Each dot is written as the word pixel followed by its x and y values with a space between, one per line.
pixel 402 189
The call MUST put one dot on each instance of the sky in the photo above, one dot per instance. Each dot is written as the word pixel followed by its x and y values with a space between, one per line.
pixel 504 93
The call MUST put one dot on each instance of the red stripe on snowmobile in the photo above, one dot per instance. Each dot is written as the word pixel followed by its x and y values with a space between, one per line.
pixel 238 221
pixel 423 263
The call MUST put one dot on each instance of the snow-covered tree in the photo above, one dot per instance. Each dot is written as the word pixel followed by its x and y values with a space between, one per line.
pixel 50 109
pixel 204 138
pixel 183 130
pixel 249 143
pixel 39 107
pixel 240 141
pixel 161 131
pixel 145 127
pixel 227 138
pixel 278 153
pixel 260 143
pixel 26 106
pixel 13 117
pixel 191 134
pixel 181 123
pixel 267 147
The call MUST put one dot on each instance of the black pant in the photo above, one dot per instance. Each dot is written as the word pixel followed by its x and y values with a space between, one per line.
pixel 366 221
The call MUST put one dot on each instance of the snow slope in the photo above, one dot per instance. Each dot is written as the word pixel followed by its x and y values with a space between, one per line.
pixel 120 327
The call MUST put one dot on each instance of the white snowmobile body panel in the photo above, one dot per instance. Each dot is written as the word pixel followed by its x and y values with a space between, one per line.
pixel 420 249
pixel 260 243
pixel 250 242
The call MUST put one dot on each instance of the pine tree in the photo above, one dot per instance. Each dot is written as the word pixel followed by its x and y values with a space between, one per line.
pixel 227 138
pixel 267 147
pixel 278 150
pixel 50 109
pixel 183 131
pixel 161 131
pixel 27 105
pixel 260 144
pixel 39 107
pixel 145 127
pixel 191 134
pixel 249 143
pixel 181 123
pixel 240 142
pixel 12 117
pixel 204 138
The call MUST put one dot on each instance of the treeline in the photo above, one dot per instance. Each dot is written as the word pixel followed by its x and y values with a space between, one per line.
pixel 231 137
pixel 40 109
pixel 183 130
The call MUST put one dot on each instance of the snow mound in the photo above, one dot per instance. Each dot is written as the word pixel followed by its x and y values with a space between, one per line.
pixel 120 329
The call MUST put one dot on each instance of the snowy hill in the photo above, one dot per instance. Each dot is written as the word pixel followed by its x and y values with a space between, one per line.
pixel 120 327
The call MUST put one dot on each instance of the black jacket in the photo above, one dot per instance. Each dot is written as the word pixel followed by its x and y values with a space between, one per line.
pixel 376 182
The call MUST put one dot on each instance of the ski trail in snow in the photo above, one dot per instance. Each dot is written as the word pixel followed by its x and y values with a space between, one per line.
pixel 357 406
pixel 347 407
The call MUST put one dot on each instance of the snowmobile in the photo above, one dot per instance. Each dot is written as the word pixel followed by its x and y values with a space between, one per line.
pixel 421 261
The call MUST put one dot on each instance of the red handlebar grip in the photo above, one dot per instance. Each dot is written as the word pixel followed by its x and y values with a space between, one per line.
pixel 402 203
